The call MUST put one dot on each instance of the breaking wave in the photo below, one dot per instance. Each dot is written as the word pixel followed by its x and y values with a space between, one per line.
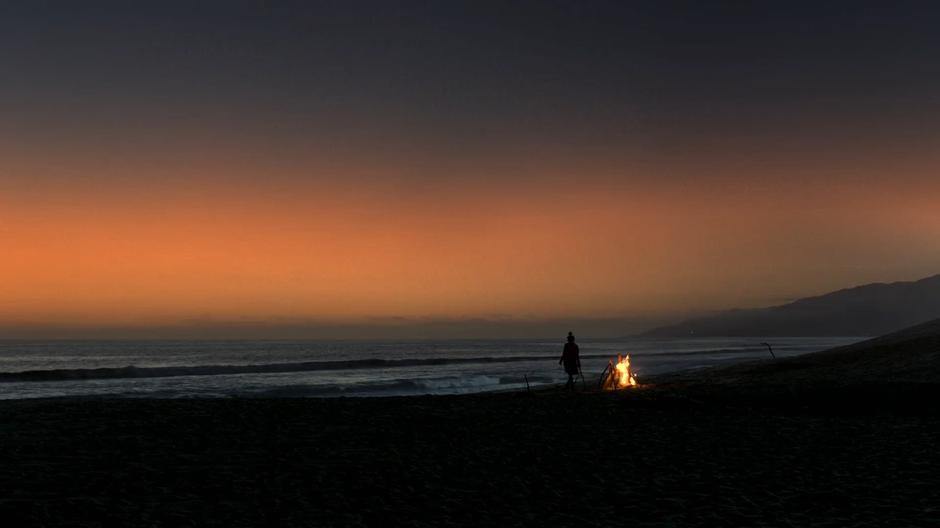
pixel 306 366
pixel 264 368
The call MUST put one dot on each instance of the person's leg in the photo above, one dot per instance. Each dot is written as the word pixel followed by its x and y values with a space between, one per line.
pixel 570 383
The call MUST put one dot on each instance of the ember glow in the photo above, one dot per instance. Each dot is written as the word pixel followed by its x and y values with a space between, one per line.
pixel 619 375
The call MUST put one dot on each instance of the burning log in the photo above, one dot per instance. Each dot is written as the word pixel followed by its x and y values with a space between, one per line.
pixel 618 375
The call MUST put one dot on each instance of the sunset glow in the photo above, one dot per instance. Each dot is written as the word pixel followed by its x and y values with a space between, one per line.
pixel 284 190
pixel 576 246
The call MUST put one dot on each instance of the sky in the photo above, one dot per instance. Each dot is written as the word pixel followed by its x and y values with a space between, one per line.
pixel 362 169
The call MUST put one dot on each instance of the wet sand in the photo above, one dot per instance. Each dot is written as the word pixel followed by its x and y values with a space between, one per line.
pixel 671 455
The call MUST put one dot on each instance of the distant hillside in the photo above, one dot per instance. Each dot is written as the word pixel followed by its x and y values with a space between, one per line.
pixel 869 310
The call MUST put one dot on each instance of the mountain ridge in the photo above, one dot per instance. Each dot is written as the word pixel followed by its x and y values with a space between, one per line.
pixel 865 310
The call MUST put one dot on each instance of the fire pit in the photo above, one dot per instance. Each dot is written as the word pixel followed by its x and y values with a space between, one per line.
pixel 617 376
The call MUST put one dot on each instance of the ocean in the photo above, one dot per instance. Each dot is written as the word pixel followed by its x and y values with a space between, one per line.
pixel 222 369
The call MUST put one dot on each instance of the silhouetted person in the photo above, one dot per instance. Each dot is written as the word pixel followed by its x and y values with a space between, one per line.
pixel 571 357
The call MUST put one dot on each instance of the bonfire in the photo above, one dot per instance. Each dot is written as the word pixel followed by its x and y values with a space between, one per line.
pixel 618 375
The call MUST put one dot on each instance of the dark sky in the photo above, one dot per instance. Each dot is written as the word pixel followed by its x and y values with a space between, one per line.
pixel 340 161
pixel 461 71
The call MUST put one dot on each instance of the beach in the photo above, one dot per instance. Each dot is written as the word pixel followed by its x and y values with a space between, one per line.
pixel 842 437
pixel 670 455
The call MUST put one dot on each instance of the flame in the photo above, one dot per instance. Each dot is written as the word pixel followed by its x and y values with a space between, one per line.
pixel 619 375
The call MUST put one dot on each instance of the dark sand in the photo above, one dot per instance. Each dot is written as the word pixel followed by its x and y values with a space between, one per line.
pixel 785 449
pixel 651 457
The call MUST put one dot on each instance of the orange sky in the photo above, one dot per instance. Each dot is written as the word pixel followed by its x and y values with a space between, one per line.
pixel 242 238
pixel 355 163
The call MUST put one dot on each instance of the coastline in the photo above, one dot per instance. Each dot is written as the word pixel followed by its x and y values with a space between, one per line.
pixel 323 369
pixel 842 437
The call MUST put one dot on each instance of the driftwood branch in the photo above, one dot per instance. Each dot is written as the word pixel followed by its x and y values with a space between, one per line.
pixel 600 382
pixel 770 349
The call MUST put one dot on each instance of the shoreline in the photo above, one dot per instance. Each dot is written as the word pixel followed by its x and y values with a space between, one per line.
pixel 292 371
